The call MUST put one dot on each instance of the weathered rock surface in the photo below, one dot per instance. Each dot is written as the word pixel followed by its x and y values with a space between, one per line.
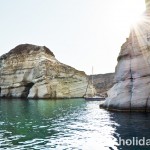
pixel 30 71
pixel 131 91
pixel 102 82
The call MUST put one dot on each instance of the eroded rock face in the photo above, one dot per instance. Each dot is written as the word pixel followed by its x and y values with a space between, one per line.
pixel 102 83
pixel 131 91
pixel 34 72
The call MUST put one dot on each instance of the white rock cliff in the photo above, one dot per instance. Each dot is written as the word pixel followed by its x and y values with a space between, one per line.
pixel 30 71
pixel 131 91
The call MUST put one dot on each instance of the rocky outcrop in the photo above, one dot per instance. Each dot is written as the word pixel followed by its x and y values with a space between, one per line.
pixel 30 71
pixel 102 82
pixel 131 91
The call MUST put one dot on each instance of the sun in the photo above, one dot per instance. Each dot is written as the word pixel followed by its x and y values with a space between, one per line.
pixel 135 19
pixel 133 12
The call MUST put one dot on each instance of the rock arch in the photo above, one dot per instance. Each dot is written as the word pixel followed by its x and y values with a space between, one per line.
pixel 26 90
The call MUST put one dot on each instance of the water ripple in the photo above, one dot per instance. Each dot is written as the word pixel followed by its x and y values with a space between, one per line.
pixel 61 125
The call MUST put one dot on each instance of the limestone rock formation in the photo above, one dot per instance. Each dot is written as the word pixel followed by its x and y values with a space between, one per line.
pixel 131 91
pixel 102 82
pixel 30 71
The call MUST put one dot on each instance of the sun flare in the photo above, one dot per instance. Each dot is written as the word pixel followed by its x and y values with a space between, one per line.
pixel 135 19
pixel 134 11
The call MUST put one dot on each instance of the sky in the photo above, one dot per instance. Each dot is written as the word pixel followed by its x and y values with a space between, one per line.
pixel 81 33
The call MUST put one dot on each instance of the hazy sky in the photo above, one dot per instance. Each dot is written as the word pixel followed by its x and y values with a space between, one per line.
pixel 81 33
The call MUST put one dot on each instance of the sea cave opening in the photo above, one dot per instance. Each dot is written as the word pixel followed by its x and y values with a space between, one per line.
pixel 26 91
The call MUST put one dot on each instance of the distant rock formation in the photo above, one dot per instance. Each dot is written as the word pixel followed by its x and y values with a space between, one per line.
pixel 102 82
pixel 131 91
pixel 30 71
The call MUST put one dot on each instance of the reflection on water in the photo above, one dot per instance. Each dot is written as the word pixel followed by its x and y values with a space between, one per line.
pixel 65 124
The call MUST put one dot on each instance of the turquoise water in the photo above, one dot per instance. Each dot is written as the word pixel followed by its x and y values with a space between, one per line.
pixel 71 124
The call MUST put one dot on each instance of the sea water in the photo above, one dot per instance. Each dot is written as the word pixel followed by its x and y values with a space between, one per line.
pixel 69 124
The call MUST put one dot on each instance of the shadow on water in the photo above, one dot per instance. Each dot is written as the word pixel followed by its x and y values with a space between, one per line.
pixel 133 130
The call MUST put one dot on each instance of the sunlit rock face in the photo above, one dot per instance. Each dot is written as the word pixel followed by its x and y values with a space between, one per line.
pixel 131 91
pixel 34 72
